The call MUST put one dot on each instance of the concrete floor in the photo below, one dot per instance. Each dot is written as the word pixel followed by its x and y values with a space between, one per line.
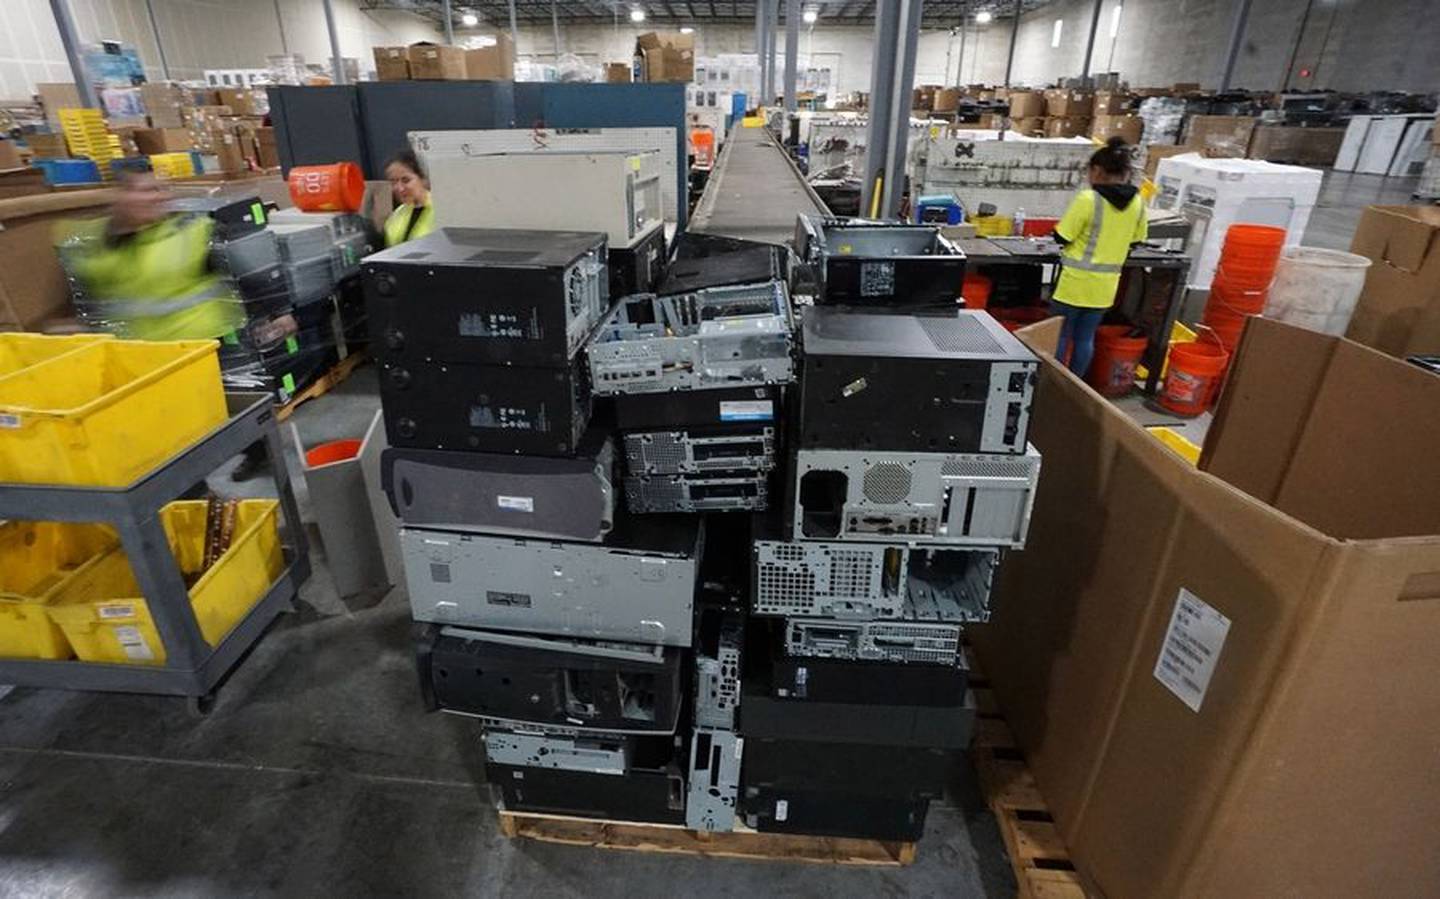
pixel 319 773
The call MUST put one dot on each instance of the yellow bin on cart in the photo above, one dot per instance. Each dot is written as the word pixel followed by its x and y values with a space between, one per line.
pixel 105 618
pixel 106 414
pixel 19 350
pixel 37 560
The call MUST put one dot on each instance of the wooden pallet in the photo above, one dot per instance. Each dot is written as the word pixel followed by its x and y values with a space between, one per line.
pixel 323 384
pixel 1038 856
pixel 669 838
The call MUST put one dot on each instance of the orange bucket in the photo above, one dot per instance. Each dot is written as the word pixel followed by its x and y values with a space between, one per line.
pixel 975 291
pixel 1195 373
pixel 1112 371
pixel 327 188
pixel 334 451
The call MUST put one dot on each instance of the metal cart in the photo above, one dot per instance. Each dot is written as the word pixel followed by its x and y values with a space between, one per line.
pixel 192 667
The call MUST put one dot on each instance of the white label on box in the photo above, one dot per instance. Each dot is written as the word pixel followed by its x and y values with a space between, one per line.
pixel 747 410
pixel 739 747
pixel 1191 648
pixel 9 421
pixel 782 809
pixel 516 503
pixel 117 611
pixel 133 643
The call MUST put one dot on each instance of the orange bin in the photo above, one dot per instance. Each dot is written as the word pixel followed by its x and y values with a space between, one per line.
pixel 975 291
pixel 1117 352
pixel 1196 370
pixel 339 187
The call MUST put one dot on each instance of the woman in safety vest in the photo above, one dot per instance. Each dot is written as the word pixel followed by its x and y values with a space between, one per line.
pixel 1097 231
pixel 414 216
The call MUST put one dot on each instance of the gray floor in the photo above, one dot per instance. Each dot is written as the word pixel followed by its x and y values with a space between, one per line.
pixel 319 773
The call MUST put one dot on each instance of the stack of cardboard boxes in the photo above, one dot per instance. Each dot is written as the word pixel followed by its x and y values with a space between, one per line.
pixel 1068 112
pixel 664 56
pixel 1027 112
pixel 1114 117
pixel 425 61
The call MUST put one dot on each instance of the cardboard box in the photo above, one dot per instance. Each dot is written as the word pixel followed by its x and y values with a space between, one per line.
pixel 10 156
pixel 37 291
pixel 1224 135
pixel 1028 125
pixel 667 56
pixel 47 146
pixel 992 121
pixel 1130 127
pixel 1026 104
pixel 392 63
pixel 244 101
pixel 1299 146
pixel 1066 126
pixel 1156 152
pixel 433 62
pixel 923 97
pixel 1399 310
pixel 226 147
pixel 1181 88
pixel 164 103
pixel 268 153
pixel 618 73
pixel 947 99
pixel 1111 103
pixel 1068 103
pixel 493 63
pixel 1305 763
pixel 163 140
pixel 55 96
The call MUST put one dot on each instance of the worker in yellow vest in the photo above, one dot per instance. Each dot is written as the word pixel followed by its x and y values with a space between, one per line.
pixel 414 215
pixel 146 270
pixel 1097 231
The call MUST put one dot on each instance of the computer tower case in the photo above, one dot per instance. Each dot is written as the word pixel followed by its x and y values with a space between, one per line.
pixel 700 261
pixel 637 267
pixel 853 768
pixel 648 795
pixel 620 687
pixel 830 814
pixel 958 383
pixel 880 264
pixel 473 295
pixel 718 409
pixel 700 449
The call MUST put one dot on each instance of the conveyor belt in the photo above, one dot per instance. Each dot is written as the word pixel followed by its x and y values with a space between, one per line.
pixel 755 192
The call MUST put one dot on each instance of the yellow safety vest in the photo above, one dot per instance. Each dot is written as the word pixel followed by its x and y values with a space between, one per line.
pixel 399 220
pixel 1099 238
pixel 157 284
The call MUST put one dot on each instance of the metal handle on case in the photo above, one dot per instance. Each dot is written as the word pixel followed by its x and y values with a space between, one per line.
pixel 654 656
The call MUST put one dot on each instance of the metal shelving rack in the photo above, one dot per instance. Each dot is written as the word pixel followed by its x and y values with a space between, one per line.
pixel 192 667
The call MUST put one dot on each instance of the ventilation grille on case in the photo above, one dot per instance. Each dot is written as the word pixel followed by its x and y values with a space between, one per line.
pixel 659 451
pixel 791 577
pixel 887 483
pixel 959 335
pixel 987 468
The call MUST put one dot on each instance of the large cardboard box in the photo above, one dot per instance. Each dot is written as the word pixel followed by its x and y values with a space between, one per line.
pixel 618 73
pixel 1066 126
pixel 1028 125
pixel 1069 103
pixel 1154 153
pixel 163 140
pixel 947 99
pixel 1026 104
pixel 1287 595
pixel 55 96
pixel 1130 127
pixel 244 101
pixel 392 63
pixel 667 56
pixel 268 153
pixel 164 103
pixel 1297 146
pixel 433 62
pixel 47 146
pixel 493 63
pixel 1223 135
pixel 36 292
pixel 1111 103
pixel 1399 310
pixel 9 156
pixel 227 149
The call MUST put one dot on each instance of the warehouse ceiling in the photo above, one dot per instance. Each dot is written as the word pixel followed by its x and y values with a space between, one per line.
pixel 496 13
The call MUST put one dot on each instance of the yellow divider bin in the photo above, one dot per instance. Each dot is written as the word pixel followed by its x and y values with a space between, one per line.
pixel 105 618
pixel 20 350
pixel 1177 442
pixel 106 414
pixel 37 560
pixel 993 225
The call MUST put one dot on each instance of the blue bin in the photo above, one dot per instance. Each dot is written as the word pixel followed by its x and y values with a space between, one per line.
pixel 69 171
pixel 131 164
pixel 931 209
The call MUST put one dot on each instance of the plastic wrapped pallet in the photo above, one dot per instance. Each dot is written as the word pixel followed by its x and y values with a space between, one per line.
pixel 1163 117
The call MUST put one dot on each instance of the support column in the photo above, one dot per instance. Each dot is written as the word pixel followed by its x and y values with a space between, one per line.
pixel 449 25
pixel 1237 35
pixel 960 62
pixel 762 21
pixel 337 60
pixel 159 44
pixel 771 51
pixel 514 26
pixel 280 22
pixel 792 52
pixel 1090 45
pixel 892 78
pixel 555 26
pixel 1014 33
pixel 70 38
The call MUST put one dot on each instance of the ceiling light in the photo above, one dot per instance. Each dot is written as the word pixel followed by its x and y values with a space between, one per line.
pixel 469 20
pixel 686 29
pixel 637 15
pixel 810 16
pixel 984 16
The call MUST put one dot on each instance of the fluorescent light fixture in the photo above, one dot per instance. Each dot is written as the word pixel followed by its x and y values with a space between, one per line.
pixel 686 29
pixel 984 16
pixel 1055 35
pixel 1115 21
pixel 810 16
pixel 637 15
pixel 469 20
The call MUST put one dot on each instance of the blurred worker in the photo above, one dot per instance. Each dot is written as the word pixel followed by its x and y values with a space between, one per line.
pixel 146 269
pixel 414 216
pixel 1097 231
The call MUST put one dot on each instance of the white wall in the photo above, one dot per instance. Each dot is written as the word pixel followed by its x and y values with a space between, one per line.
pixel 197 34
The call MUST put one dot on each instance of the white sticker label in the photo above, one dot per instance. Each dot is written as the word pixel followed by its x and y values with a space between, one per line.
pixel 747 410
pixel 133 643
pixel 119 611
pixel 9 421
pixel 782 809
pixel 1191 648
pixel 739 747
pixel 516 503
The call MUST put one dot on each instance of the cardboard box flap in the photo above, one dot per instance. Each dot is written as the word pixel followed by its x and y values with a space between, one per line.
pixel 1412 233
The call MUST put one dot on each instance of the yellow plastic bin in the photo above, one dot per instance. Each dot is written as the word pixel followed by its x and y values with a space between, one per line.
pixel 1179 333
pixel 106 414
pixel 1177 442
pixel 37 559
pixel 105 618
pixel 19 351
pixel 993 225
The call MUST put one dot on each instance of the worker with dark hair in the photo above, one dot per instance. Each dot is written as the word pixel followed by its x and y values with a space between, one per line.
pixel 1103 222
pixel 414 216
